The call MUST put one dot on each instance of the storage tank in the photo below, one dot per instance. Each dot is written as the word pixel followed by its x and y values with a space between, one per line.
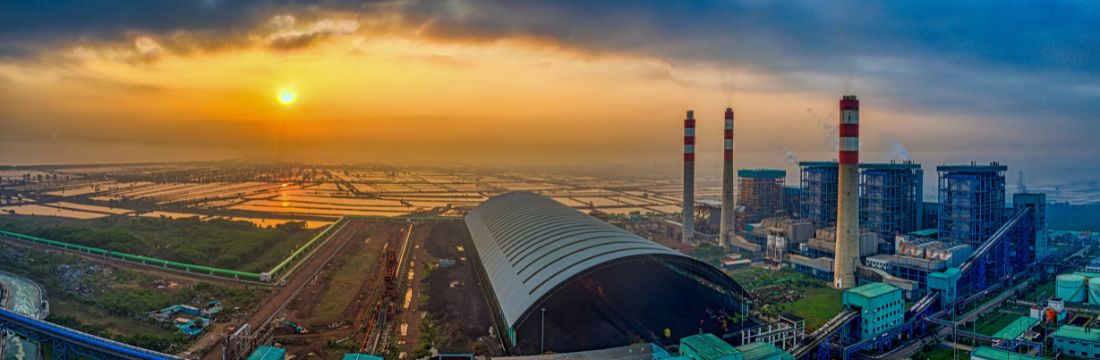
pixel 1070 288
pixel 1093 291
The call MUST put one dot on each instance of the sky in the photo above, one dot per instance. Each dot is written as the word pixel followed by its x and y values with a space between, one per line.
pixel 582 84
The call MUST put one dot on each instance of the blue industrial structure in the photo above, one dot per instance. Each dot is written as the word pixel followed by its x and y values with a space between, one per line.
pixel 819 192
pixel 999 259
pixel 890 200
pixel 65 343
pixel 972 202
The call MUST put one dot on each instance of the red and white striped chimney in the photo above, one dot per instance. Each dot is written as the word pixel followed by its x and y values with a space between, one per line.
pixel 689 179
pixel 726 225
pixel 847 219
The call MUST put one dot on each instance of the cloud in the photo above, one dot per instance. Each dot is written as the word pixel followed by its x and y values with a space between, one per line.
pixel 291 36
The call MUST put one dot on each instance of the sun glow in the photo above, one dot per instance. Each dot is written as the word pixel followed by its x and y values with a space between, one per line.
pixel 287 97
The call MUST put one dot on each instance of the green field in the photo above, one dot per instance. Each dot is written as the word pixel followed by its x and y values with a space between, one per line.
pixel 789 291
pixel 992 322
pixel 235 245
pixel 112 302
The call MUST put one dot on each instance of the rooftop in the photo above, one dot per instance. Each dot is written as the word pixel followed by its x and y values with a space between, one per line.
pixel 1078 333
pixel 708 346
pixel 762 173
pixel 352 356
pixel 925 232
pixel 873 290
pixel 1016 328
pixel 817 164
pixel 763 350
pixel 973 168
pixel 908 165
pixel 268 353
pixel 986 352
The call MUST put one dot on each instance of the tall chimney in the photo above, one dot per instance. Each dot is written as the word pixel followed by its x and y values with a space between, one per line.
pixel 847 215
pixel 689 178
pixel 727 229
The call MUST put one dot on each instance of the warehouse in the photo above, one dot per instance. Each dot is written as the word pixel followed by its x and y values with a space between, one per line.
pixel 596 285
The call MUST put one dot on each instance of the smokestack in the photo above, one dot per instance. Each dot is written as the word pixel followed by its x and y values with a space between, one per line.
pixel 689 178
pixel 725 234
pixel 847 214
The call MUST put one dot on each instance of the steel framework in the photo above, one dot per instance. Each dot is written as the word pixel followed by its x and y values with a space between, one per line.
pixel 819 192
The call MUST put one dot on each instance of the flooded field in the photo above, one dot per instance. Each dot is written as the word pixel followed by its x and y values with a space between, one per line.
pixel 276 194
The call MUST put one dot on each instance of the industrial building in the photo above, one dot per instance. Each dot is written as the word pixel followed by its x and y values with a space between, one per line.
pixel 1076 341
pixel 555 271
pixel 919 254
pixel 881 307
pixel 972 202
pixel 1037 201
pixel 891 199
pixel 818 193
pixel 759 194
pixel 709 347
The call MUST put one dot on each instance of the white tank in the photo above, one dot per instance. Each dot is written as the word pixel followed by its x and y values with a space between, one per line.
pixel 1070 287
pixel 1094 291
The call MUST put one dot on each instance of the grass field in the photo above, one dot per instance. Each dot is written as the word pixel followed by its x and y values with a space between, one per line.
pixel 993 322
pixel 815 301
pixel 817 306
pixel 347 278
pixel 236 245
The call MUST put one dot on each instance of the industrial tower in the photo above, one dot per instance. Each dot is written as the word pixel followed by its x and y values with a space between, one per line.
pixel 847 215
pixel 726 229
pixel 689 179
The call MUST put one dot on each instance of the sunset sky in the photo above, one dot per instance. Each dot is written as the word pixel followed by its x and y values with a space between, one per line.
pixel 570 83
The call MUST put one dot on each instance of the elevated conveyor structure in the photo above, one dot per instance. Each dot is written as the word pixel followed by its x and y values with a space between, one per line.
pixel 66 343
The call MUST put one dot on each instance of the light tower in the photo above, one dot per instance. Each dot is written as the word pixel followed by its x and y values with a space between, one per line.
pixel 847 215
pixel 726 230
pixel 689 179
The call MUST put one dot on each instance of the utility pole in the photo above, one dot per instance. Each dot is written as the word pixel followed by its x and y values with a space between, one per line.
pixel 542 335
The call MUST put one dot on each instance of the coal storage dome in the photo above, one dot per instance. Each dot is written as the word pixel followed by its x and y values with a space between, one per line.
pixel 592 284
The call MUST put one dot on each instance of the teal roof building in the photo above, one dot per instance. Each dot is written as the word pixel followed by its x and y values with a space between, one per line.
pixel 881 308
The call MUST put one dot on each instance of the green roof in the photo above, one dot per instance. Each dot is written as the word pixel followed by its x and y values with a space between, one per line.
pixel 763 351
pixel 946 274
pixel 762 173
pixel 707 346
pixel 873 290
pixel 268 353
pixel 986 352
pixel 1016 328
pixel 1077 333
pixel 354 356
pixel 925 232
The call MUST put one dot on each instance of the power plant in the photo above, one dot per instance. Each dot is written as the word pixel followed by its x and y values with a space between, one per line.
pixel 847 214
pixel 727 226
pixel 688 209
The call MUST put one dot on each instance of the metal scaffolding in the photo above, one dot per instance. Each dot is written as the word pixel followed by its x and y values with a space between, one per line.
pixel 972 202
pixel 760 193
pixel 819 192
pixel 890 200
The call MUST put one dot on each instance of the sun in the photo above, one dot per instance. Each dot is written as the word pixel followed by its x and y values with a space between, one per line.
pixel 286 97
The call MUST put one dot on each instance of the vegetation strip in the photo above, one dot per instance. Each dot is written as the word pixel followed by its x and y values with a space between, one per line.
pixel 232 274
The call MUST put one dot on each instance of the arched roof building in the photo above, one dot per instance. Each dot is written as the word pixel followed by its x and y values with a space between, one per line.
pixel 594 280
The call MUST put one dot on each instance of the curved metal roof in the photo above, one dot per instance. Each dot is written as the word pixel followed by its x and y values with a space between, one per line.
pixel 529 244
